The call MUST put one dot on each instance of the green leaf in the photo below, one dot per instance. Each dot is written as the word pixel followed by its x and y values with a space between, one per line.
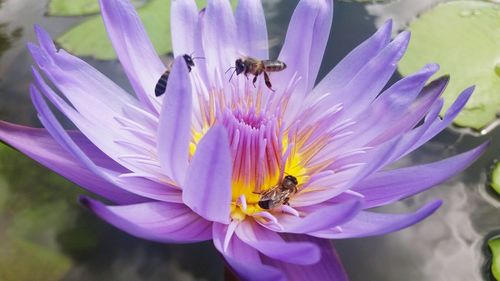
pixel 464 38
pixel 23 260
pixel 79 7
pixel 494 245
pixel 90 39
pixel 495 178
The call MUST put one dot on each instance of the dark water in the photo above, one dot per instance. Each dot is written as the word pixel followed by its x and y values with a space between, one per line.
pixel 45 235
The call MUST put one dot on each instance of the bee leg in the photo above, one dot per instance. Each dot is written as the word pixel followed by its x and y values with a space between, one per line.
pixel 257 192
pixel 254 80
pixel 285 202
pixel 268 82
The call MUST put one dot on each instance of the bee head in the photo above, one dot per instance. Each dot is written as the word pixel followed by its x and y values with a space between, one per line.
pixel 239 66
pixel 290 179
pixel 189 60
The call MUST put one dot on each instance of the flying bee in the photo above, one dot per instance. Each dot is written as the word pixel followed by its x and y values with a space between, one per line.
pixel 279 194
pixel 161 85
pixel 248 65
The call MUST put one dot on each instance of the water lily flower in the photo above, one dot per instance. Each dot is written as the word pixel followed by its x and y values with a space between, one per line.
pixel 191 165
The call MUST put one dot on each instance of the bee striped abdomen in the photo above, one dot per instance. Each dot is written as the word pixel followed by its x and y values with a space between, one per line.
pixel 273 65
pixel 161 85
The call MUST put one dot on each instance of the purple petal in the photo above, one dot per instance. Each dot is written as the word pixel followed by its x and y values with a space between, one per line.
pixel 440 125
pixel 347 69
pixel 368 83
pixel 393 113
pixel 410 138
pixel 371 162
pixel 371 224
pixel 183 24
pixel 134 49
pixel 251 29
pixel 41 147
pixel 219 36
pixel 139 186
pixel 428 101
pixel 389 186
pixel 370 80
pixel 77 80
pixel 207 187
pixel 318 219
pixel 305 43
pixel 272 245
pixel 103 136
pixel 329 268
pixel 174 130
pixel 156 221
pixel 243 259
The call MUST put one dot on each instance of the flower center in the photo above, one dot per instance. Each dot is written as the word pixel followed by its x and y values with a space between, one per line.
pixel 262 147
pixel 256 150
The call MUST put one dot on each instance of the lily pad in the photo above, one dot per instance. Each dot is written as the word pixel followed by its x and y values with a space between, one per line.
pixel 494 245
pixel 90 39
pixel 464 38
pixel 79 7
pixel 495 178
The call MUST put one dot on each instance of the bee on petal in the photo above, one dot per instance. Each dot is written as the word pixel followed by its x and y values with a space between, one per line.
pixel 279 194
pixel 161 85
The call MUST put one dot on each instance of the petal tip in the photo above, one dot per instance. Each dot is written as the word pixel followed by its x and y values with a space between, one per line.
pixel 85 201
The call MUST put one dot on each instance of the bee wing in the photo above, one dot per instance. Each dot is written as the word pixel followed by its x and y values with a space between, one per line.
pixel 274 42
pixel 270 194
pixel 167 60
pixel 261 45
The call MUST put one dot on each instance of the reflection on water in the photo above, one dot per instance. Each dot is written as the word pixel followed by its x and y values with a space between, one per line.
pixel 448 245
pixel 48 233
pixel 7 38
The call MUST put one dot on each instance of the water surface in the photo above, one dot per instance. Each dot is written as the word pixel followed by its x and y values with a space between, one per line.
pixel 46 234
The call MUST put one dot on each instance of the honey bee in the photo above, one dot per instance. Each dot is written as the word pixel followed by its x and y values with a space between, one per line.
pixel 161 85
pixel 279 194
pixel 248 65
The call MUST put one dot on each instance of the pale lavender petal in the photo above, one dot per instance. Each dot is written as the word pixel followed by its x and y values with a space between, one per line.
pixel 392 113
pixel 347 69
pixel 174 130
pixel 272 245
pixel 207 186
pixel 321 33
pixel 318 219
pixel 370 224
pixel 251 29
pixel 373 161
pixel 389 186
pixel 243 259
pixel 79 82
pixel 156 221
pixel 364 87
pixel 134 49
pixel 410 138
pixel 440 125
pixel 219 37
pixel 427 102
pixel 329 268
pixel 139 186
pixel 101 135
pixel 183 25
pixel 305 44
pixel 414 113
pixel 41 147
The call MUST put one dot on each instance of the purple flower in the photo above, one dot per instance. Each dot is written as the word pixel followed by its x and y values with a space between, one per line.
pixel 189 166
